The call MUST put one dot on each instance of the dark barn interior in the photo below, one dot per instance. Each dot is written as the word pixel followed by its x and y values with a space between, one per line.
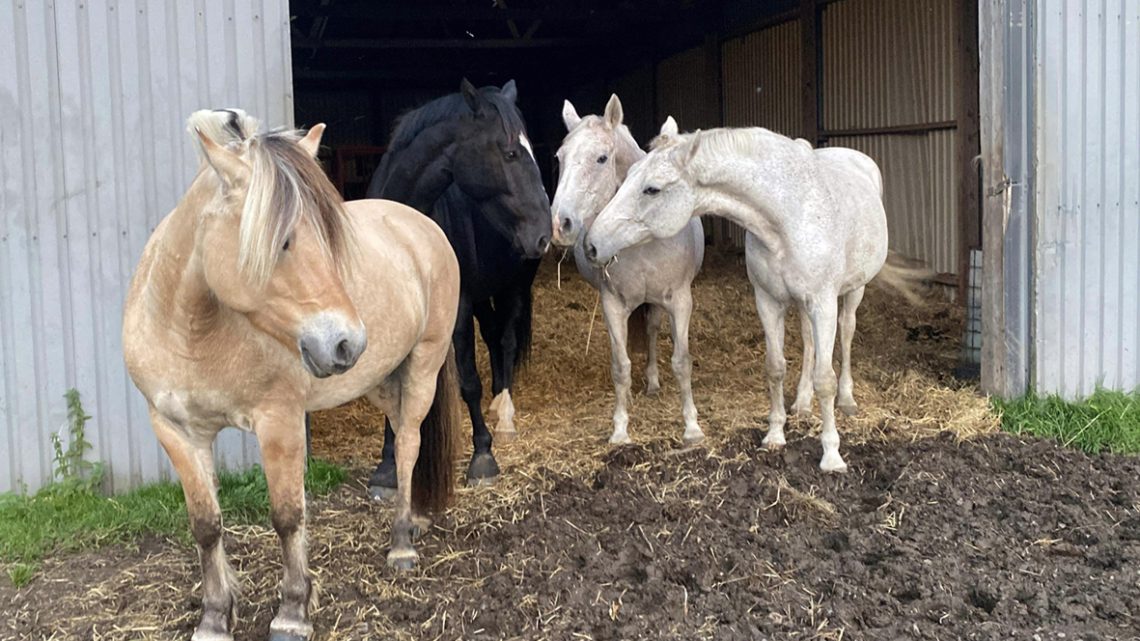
pixel 894 78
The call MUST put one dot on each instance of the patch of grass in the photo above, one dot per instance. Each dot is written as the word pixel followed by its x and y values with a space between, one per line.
pixel 66 518
pixel 1106 421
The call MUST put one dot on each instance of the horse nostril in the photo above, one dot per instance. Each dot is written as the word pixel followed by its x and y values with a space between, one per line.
pixel 543 243
pixel 591 251
pixel 566 225
pixel 343 352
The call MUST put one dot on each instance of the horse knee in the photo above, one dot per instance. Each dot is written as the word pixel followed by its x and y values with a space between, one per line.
pixel 777 367
pixel 825 383
pixel 207 529
pixel 287 519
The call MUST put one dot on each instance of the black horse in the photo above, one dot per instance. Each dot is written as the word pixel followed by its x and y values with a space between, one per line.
pixel 464 160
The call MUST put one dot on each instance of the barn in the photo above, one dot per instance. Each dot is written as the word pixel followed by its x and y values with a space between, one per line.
pixel 1007 132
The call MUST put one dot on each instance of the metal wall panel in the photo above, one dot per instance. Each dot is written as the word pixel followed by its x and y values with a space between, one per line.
pixel 887 63
pixel 919 182
pixel 94 155
pixel 891 63
pixel 687 91
pixel 1085 146
pixel 761 74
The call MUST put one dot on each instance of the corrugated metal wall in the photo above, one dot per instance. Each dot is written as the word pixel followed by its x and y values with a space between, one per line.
pixel 1086 149
pixel 761 74
pixel 890 63
pixel 94 153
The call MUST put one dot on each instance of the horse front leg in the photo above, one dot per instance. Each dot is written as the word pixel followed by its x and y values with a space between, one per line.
pixel 681 312
pixel 484 469
pixel 846 402
pixel 652 327
pixel 494 331
pixel 772 313
pixel 823 311
pixel 281 437
pixel 193 459
pixel 617 325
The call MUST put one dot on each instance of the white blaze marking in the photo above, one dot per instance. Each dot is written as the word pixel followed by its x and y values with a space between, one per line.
pixel 526 145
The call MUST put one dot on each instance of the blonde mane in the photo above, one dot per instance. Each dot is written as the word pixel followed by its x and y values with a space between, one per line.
pixel 286 185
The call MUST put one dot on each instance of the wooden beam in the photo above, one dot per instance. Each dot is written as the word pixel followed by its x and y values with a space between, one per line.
pixel 991 46
pixel 966 113
pixel 915 129
pixel 810 70
pixel 444 43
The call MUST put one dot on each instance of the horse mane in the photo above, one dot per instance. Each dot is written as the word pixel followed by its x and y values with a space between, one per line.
pixel 451 106
pixel 286 186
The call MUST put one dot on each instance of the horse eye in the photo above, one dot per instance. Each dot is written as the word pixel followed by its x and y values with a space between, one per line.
pixel 602 159
pixel 285 247
pixel 512 154
pixel 651 191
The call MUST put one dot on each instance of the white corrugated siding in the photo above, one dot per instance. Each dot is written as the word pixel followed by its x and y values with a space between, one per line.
pixel 1086 147
pixel 891 63
pixel 95 96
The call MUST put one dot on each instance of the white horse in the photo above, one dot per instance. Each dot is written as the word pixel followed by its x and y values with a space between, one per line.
pixel 595 157
pixel 818 233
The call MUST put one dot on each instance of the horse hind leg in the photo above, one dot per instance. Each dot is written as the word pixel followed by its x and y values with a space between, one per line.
pixel 681 312
pixel 804 393
pixel 652 373
pixel 283 457
pixel 846 402
pixel 823 312
pixel 771 313
pixel 194 463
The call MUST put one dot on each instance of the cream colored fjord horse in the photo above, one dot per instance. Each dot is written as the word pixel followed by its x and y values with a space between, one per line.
pixel 257 289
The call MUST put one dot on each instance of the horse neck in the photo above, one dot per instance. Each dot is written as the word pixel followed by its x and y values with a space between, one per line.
pixel 727 188
pixel 418 174
pixel 176 290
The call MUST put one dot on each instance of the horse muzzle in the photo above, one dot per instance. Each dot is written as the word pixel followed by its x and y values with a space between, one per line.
pixel 329 346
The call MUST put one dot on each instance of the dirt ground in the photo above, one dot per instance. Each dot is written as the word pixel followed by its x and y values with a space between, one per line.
pixel 941 530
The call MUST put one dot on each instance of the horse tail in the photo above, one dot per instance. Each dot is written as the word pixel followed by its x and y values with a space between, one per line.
pixel 638 329
pixel 433 478
pixel 906 276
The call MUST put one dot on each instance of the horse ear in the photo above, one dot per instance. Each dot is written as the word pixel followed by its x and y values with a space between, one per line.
pixel 228 165
pixel 683 155
pixel 614 113
pixel 669 127
pixel 570 115
pixel 312 140
pixel 471 96
pixel 510 91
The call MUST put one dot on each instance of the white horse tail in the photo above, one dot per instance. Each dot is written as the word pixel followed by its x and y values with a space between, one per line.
pixel 638 329
pixel 906 276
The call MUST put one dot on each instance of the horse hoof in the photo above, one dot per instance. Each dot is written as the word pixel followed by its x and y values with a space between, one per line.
pixel 287 636
pixel 504 437
pixel 483 470
pixel 653 391
pixel 210 635
pixel 381 494
pixel 692 441
pixel 833 464
pixel 849 409
pixel 773 444
pixel 622 439
pixel 403 559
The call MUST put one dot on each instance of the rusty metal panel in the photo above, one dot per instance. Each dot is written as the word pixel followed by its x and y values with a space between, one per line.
pixel 761 73
pixel 887 63
pixel 919 181
pixel 96 154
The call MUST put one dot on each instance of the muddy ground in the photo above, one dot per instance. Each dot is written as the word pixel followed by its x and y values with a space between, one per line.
pixel 994 538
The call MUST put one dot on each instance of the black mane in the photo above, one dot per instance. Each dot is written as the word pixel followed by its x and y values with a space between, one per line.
pixel 409 125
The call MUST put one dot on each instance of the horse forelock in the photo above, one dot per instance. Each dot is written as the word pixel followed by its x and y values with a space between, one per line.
pixel 412 123
pixel 287 186
pixel 225 127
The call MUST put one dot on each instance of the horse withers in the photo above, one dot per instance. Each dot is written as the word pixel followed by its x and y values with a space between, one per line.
pixel 464 160
pixel 262 296
pixel 655 277
pixel 817 233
